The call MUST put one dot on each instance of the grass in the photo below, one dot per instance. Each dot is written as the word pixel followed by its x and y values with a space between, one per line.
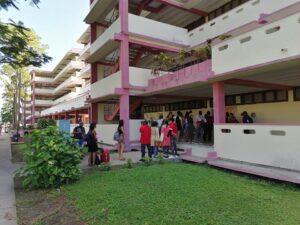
pixel 182 194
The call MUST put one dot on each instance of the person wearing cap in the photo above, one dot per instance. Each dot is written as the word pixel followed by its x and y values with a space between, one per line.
pixel 79 134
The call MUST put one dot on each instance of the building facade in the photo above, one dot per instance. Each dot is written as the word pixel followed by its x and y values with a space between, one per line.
pixel 251 66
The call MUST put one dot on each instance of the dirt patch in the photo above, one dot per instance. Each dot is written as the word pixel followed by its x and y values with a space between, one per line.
pixel 49 207
pixel 16 153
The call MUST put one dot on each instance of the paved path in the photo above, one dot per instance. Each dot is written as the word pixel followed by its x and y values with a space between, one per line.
pixel 7 193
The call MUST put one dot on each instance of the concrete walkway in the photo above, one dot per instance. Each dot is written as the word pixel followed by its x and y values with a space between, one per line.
pixel 8 215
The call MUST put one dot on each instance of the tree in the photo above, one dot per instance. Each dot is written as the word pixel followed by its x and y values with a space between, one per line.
pixel 14 41
pixel 6 115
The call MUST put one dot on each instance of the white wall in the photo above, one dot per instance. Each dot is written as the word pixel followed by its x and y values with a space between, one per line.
pixel 139 76
pixel 261 147
pixel 235 18
pixel 152 28
pixel 106 86
pixel 135 130
pixel 262 47
pixel 106 36
pixel 105 133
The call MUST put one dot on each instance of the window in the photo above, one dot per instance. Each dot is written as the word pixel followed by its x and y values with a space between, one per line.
pixel 281 95
pixel 248 99
pixel 230 100
pixel 258 97
pixel 270 96
pixel 297 94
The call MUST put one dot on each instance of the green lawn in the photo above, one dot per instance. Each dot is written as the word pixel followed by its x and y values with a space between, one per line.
pixel 182 194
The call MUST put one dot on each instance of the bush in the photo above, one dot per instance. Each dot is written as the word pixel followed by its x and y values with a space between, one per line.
pixel 51 159
pixel 44 123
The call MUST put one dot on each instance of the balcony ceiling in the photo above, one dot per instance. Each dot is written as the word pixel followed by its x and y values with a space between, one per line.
pixel 68 57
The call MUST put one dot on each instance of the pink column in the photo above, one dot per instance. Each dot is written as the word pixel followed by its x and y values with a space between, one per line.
pixel 124 67
pixel 219 102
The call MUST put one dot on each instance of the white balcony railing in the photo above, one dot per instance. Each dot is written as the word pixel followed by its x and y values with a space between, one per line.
pixel 270 145
pixel 85 52
pixel 85 72
pixel 43 91
pixel 43 102
pixel 42 79
pixel 278 40
pixel 165 32
pixel 73 65
pixel 235 18
pixel 106 87
pixel 73 104
pixel 71 81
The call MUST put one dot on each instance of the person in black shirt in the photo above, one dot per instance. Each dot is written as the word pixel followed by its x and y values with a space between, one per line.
pixel 79 134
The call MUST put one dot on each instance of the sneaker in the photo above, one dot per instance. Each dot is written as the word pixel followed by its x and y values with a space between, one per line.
pixel 142 160
pixel 171 157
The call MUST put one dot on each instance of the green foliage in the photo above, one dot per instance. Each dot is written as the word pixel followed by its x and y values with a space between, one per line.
pixel 147 160
pixel 29 127
pixel 184 194
pixel 160 158
pixel 5 4
pixel 51 159
pixel 105 166
pixel 44 123
pixel 129 163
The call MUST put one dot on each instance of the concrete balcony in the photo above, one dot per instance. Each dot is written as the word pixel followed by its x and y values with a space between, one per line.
pixel 72 104
pixel 44 91
pixel 66 97
pixel 240 16
pixel 105 88
pixel 172 35
pixel 43 102
pixel 68 83
pixel 275 42
pixel 42 80
pixel 85 52
pixel 72 67
pixel 99 9
pixel 105 43
pixel 85 72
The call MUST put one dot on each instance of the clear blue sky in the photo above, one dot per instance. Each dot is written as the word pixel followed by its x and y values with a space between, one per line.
pixel 59 23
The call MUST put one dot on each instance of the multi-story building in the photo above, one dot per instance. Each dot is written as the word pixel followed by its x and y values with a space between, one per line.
pixel 235 56
pixel 62 93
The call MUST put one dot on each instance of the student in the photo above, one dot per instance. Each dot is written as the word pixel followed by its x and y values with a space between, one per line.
pixel 227 115
pixel 200 122
pixel 179 124
pixel 173 137
pixel 246 117
pixel 79 134
pixel 232 118
pixel 92 144
pixel 145 131
pixel 190 127
pixel 121 140
pixel 154 138
pixel 208 128
pixel 165 139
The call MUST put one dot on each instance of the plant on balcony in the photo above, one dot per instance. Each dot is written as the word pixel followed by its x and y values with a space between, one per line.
pixel 51 159
pixel 224 37
pixel 44 123
pixel 164 62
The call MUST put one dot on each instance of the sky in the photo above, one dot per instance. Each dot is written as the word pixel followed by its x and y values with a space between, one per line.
pixel 59 23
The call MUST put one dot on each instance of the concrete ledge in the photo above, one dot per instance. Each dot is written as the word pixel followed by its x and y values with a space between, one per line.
pixel 193 159
pixel 267 172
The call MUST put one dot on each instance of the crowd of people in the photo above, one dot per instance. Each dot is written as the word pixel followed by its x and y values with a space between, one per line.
pixel 163 133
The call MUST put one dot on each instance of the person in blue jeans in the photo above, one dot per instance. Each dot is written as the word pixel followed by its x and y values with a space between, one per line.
pixel 79 134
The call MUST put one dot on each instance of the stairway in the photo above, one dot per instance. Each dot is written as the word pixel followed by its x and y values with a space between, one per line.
pixel 112 111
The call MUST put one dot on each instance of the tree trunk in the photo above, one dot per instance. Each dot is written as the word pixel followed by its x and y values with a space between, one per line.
pixel 19 98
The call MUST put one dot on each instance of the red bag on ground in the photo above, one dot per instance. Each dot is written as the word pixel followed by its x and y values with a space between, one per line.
pixel 105 156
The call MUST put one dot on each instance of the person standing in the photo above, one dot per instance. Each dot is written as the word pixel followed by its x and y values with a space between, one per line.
pixel 145 140
pixel 154 138
pixel 208 127
pixel 165 139
pixel 200 122
pixel 190 127
pixel 121 144
pixel 179 125
pixel 173 137
pixel 92 144
pixel 79 134
pixel 246 117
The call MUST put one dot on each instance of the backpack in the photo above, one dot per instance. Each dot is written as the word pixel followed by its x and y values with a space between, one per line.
pixel 117 136
pixel 97 160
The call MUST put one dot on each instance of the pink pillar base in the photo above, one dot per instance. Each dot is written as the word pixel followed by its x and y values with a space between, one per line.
pixel 219 102
pixel 124 115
